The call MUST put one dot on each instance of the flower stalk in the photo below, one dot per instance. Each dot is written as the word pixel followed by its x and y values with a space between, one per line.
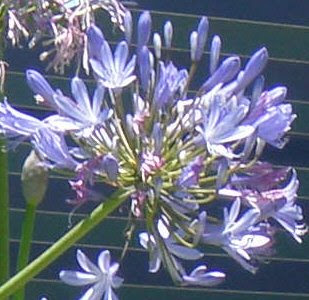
pixel 25 243
pixel 64 243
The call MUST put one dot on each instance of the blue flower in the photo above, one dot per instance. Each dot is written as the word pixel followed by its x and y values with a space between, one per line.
pixel 239 237
pixel 114 71
pixel 271 117
pixel 222 125
pixel 200 276
pixel 53 149
pixel 17 125
pixel 102 278
pixel 170 81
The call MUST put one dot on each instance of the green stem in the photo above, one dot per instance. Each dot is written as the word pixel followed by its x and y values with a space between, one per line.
pixel 64 243
pixel 4 181
pixel 4 217
pixel 25 243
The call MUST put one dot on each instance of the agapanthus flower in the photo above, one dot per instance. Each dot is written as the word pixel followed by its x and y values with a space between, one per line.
pixel 113 70
pixel 222 125
pixel 269 111
pixel 172 152
pixel 241 236
pixel 102 278
pixel 79 115
pixel 155 255
pixel 278 204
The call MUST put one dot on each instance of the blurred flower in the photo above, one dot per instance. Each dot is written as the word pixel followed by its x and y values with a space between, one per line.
pixel 199 276
pixel 102 278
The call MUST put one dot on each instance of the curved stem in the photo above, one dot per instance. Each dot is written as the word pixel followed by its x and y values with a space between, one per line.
pixel 64 243
pixel 25 243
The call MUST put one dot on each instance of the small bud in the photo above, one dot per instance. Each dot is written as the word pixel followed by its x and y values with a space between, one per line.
pixel 214 53
pixel 157 43
pixel 111 167
pixel 95 41
pixel 128 26
pixel 253 68
pixel 202 32
pixel 34 179
pixel 144 67
pixel 193 45
pixel 168 34
pixel 144 29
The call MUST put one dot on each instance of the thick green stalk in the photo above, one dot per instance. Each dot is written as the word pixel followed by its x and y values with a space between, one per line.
pixel 64 243
pixel 25 243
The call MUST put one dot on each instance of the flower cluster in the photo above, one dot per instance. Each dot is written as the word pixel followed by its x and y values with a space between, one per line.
pixel 174 151
pixel 60 23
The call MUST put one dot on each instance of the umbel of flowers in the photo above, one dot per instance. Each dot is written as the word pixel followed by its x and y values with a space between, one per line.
pixel 173 151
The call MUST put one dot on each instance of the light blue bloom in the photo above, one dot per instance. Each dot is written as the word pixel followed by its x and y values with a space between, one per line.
pixel 177 251
pixel 238 236
pixel 114 71
pixel 82 114
pixel 17 125
pixel 53 149
pixel 271 116
pixel 200 276
pixel 170 81
pixel 222 125
pixel 103 277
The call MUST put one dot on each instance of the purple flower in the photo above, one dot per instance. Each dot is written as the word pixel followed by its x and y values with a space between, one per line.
pixel 200 276
pixel 149 242
pixel 15 124
pixel 202 32
pixel 260 177
pixel 238 236
pixel 114 71
pixel 170 81
pixel 278 204
pixel 81 114
pixel 227 70
pixel 271 117
pixel 222 125
pixel 41 87
pixel 214 54
pixel 190 174
pixel 144 29
pixel 103 277
pixel 95 41
pixel 53 149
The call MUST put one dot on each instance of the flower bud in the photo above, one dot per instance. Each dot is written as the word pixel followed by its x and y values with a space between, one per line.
pixel 128 26
pixel 157 45
pixel 202 32
pixel 168 34
pixel 34 179
pixel 193 45
pixel 111 167
pixel 214 53
pixel 144 29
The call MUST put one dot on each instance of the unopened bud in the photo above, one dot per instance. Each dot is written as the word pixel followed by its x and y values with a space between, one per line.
pixel 157 45
pixel 168 34
pixel 34 179
pixel 193 45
